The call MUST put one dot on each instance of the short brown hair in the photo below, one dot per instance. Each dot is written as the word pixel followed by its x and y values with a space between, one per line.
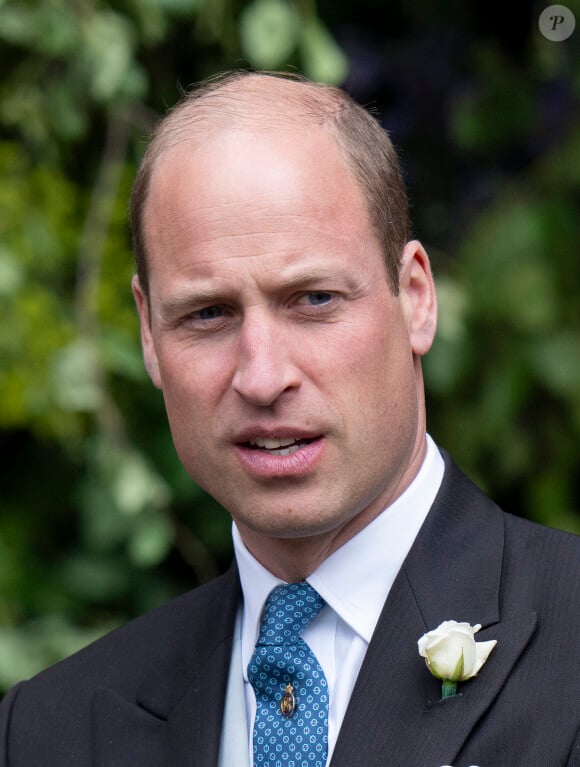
pixel 238 96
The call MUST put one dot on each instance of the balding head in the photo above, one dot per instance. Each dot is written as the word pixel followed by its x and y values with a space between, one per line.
pixel 266 102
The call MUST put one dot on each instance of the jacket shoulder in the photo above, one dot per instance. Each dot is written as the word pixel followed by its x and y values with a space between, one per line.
pixel 186 625
pixel 544 564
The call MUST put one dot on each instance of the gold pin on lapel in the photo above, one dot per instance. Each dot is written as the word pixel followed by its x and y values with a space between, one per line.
pixel 288 702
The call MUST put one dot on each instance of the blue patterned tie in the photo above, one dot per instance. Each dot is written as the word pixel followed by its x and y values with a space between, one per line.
pixel 291 727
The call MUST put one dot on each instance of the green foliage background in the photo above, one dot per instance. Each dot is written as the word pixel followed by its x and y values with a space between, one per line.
pixel 98 520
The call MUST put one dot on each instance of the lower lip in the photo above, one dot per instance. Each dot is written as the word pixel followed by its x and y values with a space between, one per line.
pixel 259 463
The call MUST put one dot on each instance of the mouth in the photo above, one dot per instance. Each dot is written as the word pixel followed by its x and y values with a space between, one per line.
pixel 282 446
pixel 282 454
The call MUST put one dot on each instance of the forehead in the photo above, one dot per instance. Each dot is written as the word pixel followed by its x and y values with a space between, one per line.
pixel 246 193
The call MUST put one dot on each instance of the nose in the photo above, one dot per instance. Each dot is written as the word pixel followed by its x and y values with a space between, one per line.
pixel 265 368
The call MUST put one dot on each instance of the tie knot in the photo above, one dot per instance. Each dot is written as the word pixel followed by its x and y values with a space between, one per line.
pixel 289 609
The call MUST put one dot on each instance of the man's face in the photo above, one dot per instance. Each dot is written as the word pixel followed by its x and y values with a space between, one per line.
pixel 289 370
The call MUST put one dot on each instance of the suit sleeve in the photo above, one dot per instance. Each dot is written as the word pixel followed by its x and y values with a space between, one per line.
pixel 6 710
pixel 574 757
pixel 6 714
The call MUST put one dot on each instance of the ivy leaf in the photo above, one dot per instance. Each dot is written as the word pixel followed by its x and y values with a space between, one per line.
pixel 11 274
pixel 76 378
pixel 136 486
pixel 151 540
pixel 556 361
pixel 323 60
pixel 268 32
pixel 108 54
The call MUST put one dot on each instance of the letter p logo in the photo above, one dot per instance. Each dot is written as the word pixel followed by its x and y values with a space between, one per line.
pixel 557 23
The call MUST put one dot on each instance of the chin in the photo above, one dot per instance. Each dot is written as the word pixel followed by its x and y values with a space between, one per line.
pixel 289 524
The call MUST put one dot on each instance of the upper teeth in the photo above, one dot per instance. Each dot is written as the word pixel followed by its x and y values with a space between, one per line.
pixel 272 444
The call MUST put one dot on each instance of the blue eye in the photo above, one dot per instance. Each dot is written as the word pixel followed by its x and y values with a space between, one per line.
pixel 210 313
pixel 318 297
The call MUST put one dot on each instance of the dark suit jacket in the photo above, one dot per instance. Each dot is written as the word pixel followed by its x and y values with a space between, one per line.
pixel 151 694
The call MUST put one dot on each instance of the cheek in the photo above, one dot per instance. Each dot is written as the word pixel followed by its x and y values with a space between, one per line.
pixel 375 393
pixel 372 362
pixel 190 393
pixel 192 386
pixel 193 376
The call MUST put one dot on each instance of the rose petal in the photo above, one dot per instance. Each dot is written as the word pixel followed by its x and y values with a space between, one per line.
pixel 451 651
pixel 483 650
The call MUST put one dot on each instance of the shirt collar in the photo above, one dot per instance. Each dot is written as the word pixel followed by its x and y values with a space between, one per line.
pixel 356 579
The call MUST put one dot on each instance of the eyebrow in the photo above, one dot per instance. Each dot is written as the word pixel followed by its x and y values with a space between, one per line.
pixel 189 299
pixel 175 307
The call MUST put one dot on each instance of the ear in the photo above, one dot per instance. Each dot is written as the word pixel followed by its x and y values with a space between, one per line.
pixel 417 291
pixel 147 345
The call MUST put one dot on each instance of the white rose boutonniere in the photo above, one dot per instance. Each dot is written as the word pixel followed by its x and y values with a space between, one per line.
pixel 453 655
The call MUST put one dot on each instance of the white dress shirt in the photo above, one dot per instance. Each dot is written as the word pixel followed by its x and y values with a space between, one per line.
pixel 354 582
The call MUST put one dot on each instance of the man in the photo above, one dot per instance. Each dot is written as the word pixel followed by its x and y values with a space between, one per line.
pixel 284 313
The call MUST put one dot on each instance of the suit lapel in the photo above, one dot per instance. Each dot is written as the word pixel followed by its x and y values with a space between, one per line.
pixel 177 715
pixel 453 571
